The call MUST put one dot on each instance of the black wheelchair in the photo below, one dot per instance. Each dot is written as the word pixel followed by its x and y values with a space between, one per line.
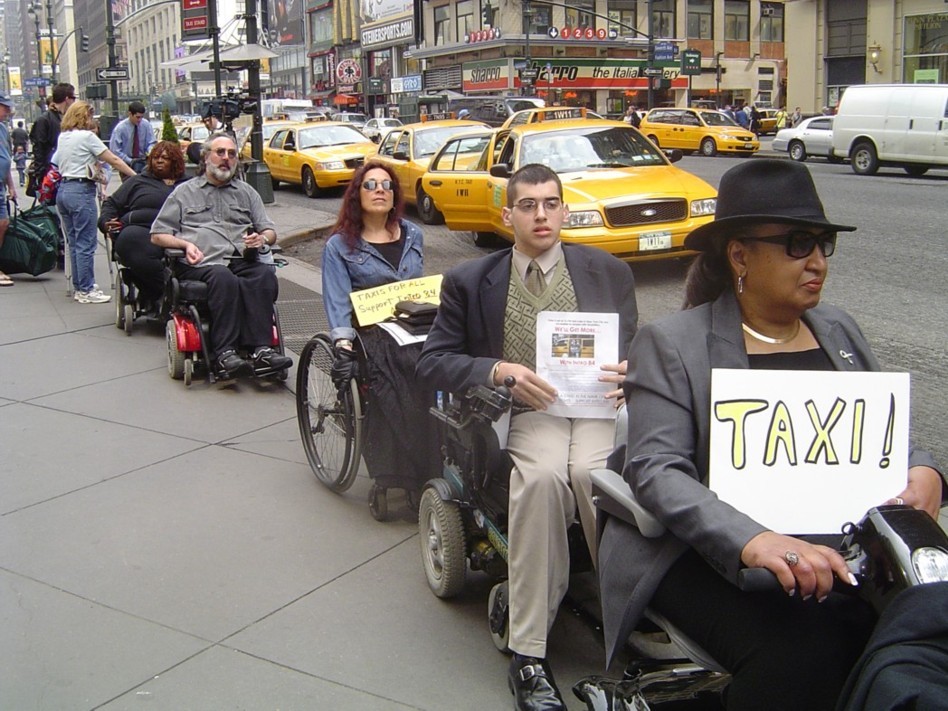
pixel 188 326
pixel 129 306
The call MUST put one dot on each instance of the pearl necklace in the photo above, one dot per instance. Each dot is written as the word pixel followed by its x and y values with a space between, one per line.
pixel 767 339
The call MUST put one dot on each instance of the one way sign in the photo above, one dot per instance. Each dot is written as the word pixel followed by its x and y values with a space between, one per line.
pixel 111 73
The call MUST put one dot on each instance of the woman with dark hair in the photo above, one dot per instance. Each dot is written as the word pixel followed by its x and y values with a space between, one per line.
pixel 753 302
pixel 130 212
pixel 373 245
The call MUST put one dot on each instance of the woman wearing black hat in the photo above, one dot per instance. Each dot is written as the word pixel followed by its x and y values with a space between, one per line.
pixel 753 301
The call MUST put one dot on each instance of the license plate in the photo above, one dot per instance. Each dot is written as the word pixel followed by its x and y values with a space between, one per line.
pixel 650 241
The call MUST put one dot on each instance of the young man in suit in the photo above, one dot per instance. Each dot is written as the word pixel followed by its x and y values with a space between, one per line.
pixel 485 331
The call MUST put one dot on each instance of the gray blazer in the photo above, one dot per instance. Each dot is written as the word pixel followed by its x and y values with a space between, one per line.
pixel 668 389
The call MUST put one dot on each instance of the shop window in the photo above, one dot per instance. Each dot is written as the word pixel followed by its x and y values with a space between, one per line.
pixel 580 14
pixel 442 25
pixel 465 12
pixel 663 18
pixel 622 17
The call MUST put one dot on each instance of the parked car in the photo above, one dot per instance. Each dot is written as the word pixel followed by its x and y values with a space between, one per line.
pixel 812 137
pixel 375 129
pixel 408 150
pixel 624 194
pixel 768 120
pixel 269 127
pixel 353 119
pixel 690 130
pixel 318 155
pixel 549 113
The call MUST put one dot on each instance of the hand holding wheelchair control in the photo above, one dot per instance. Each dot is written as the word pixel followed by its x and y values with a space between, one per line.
pixel 529 388
pixel 923 491
pixel 809 571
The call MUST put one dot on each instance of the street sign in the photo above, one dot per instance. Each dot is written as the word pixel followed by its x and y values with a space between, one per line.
pixel 652 71
pixel 111 73
pixel 36 81
pixel 691 62
pixel 529 74
pixel 664 51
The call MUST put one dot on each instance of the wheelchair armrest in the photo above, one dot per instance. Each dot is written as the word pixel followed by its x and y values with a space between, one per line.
pixel 611 494
pixel 174 253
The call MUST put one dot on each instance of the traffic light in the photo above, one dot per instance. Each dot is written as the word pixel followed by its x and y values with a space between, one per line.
pixel 84 43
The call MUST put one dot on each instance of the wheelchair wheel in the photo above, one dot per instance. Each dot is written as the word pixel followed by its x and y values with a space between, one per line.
pixel 498 616
pixel 188 373
pixel 128 318
pixel 378 503
pixel 441 532
pixel 175 357
pixel 330 421
pixel 119 287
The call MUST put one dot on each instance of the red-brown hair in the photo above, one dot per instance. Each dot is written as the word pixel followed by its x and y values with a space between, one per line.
pixel 172 150
pixel 349 224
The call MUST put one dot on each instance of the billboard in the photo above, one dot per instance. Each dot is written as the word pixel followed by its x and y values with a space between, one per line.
pixel 47 52
pixel 377 10
pixel 14 81
pixel 285 21
pixel 386 23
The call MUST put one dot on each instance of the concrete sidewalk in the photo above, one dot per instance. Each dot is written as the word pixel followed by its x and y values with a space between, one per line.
pixel 170 548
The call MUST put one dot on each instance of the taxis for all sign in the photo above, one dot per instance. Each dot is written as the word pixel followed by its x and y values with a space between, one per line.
pixel 624 194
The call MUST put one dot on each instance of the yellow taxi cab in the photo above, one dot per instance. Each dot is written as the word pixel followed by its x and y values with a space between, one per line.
pixel 407 150
pixel 319 156
pixel 705 130
pixel 624 194
pixel 549 113
pixel 194 132
pixel 768 120
pixel 268 128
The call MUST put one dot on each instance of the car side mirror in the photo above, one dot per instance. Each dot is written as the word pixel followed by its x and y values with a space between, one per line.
pixel 500 170
pixel 673 154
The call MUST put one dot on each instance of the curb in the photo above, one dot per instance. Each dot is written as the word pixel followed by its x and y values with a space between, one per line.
pixel 318 232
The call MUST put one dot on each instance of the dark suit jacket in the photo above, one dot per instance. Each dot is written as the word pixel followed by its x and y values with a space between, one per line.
pixel 468 333
pixel 668 389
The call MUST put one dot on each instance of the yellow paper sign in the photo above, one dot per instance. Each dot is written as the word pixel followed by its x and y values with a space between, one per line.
pixel 377 304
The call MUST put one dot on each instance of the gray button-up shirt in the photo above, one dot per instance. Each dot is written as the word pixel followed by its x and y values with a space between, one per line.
pixel 215 218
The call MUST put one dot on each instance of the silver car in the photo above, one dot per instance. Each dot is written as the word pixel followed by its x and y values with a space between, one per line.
pixel 375 129
pixel 812 137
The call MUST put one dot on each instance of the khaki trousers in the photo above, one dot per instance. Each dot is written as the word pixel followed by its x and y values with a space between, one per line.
pixel 552 458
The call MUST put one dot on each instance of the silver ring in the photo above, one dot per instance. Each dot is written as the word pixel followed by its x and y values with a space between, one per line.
pixel 900 501
pixel 791 558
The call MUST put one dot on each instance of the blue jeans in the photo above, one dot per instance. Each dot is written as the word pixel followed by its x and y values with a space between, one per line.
pixel 77 207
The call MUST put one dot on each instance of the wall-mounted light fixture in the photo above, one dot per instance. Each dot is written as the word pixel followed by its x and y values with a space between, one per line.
pixel 755 57
pixel 875 54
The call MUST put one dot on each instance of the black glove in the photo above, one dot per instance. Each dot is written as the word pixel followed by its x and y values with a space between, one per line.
pixel 344 367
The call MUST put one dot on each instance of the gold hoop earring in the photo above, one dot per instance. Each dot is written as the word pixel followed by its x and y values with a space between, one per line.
pixel 740 284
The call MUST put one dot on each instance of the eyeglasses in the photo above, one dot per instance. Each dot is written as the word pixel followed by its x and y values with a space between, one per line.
pixel 529 205
pixel 71 96
pixel 800 244
pixel 371 184
pixel 221 152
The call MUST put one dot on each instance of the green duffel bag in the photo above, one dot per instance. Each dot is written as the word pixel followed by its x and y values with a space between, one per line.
pixel 45 219
pixel 28 248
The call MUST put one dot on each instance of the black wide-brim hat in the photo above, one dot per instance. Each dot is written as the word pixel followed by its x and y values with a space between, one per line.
pixel 763 191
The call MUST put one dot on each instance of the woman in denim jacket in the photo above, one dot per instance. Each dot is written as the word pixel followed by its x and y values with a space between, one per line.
pixel 373 245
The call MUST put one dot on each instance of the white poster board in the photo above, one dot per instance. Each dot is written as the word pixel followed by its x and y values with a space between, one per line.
pixel 571 347
pixel 803 452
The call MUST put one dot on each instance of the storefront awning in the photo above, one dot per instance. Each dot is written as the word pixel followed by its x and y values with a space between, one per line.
pixel 345 100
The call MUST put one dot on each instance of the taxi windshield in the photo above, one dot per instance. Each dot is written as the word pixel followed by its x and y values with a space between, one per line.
pixel 429 140
pixel 329 136
pixel 587 148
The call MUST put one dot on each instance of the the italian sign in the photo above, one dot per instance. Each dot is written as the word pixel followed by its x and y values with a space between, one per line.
pixel 377 304
pixel 568 74
pixel 804 452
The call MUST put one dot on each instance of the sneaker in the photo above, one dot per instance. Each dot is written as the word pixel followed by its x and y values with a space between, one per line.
pixel 92 297
pixel 75 294
pixel 268 359
pixel 231 365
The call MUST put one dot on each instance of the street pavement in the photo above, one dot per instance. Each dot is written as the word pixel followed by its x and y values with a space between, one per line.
pixel 169 548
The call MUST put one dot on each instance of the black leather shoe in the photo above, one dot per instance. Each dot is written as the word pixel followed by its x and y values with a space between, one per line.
pixel 531 682
pixel 232 365
pixel 269 359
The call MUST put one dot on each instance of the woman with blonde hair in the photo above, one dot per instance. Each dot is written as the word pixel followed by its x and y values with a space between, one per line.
pixel 78 152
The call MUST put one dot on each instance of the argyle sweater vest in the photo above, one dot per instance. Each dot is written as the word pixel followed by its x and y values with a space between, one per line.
pixel 520 322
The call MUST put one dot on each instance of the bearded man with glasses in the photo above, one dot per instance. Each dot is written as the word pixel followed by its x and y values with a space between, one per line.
pixel 486 331
pixel 212 217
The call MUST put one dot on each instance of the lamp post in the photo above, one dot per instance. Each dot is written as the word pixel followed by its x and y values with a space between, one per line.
pixel 52 36
pixel 32 12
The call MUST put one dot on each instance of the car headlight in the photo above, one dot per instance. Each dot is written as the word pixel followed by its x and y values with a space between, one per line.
pixel 931 564
pixel 331 165
pixel 589 218
pixel 700 208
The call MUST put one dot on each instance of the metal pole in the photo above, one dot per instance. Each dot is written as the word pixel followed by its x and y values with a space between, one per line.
pixel 528 16
pixel 258 174
pixel 39 48
pixel 651 51
pixel 52 38
pixel 215 33
pixel 110 41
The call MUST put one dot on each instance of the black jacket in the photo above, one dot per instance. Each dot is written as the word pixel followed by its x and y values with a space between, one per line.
pixel 905 664
pixel 45 135
pixel 137 201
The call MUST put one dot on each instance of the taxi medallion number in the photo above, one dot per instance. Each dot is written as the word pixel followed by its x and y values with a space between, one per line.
pixel 651 241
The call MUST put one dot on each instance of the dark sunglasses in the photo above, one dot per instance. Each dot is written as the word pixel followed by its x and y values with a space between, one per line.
pixel 800 244
pixel 371 184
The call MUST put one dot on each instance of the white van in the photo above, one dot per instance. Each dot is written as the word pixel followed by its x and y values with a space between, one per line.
pixel 902 125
